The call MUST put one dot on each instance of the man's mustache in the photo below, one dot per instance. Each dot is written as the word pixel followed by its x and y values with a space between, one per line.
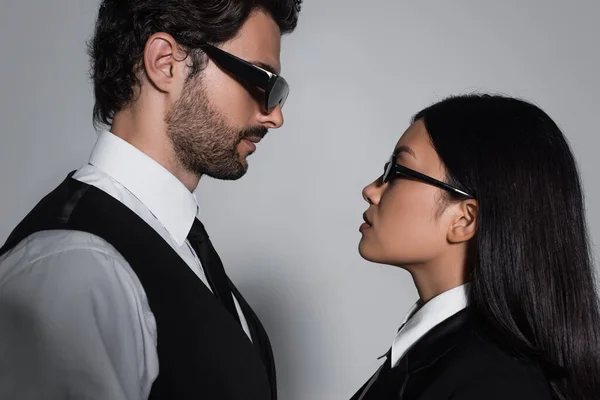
pixel 255 131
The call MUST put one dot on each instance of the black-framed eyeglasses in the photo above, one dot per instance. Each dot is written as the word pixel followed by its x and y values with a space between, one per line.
pixel 393 170
pixel 275 87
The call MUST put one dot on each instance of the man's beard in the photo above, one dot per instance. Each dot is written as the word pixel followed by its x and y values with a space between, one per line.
pixel 203 141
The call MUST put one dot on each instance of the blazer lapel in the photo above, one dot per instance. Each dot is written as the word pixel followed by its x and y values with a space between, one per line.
pixel 421 363
pixel 417 368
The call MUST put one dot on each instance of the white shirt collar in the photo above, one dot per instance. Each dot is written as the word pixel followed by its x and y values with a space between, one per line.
pixel 421 318
pixel 161 192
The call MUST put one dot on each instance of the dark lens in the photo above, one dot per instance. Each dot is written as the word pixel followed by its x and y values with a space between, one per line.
pixel 386 172
pixel 278 94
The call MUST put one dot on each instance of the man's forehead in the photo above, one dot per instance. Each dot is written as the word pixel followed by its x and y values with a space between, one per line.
pixel 258 42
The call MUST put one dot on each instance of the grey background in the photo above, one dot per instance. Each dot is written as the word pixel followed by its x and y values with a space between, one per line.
pixel 288 231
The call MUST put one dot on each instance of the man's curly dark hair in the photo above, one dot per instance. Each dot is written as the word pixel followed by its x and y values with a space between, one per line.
pixel 123 27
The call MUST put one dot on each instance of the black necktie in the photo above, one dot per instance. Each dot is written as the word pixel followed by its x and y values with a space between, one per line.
pixel 212 265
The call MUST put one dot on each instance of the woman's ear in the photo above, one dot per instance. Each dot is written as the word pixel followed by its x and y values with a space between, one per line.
pixel 464 221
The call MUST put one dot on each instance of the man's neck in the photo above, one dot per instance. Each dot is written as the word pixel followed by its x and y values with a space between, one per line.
pixel 150 137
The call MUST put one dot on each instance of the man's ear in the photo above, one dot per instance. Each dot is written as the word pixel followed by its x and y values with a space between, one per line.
pixel 464 221
pixel 164 62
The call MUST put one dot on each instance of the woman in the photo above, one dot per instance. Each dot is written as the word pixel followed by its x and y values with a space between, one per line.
pixel 482 204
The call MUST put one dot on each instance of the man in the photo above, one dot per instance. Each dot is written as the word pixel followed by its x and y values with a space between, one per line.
pixel 110 287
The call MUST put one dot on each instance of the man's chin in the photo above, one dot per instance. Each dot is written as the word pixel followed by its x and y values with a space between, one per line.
pixel 230 174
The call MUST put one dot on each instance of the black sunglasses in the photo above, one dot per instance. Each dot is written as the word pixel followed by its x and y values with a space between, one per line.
pixel 393 170
pixel 276 88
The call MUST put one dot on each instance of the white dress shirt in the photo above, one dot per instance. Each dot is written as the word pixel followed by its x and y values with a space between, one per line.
pixel 74 317
pixel 420 319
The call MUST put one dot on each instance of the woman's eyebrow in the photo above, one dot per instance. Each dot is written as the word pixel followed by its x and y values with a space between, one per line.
pixel 404 149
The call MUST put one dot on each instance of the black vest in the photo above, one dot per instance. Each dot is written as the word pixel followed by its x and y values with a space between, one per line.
pixel 203 352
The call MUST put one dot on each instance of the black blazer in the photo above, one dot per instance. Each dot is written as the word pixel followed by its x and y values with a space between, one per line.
pixel 457 360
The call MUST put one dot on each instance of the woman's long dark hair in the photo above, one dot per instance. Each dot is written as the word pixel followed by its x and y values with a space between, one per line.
pixel 532 278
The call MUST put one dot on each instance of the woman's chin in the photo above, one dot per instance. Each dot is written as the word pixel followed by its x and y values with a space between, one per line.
pixel 374 255
pixel 367 252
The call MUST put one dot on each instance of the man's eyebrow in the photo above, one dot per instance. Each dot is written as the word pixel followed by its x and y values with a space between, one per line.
pixel 265 66
pixel 404 149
